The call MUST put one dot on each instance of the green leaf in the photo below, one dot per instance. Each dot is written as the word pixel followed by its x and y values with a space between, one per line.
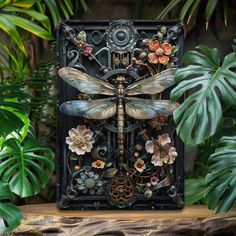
pixel 172 4
pixel 7 26
pixel 5 192
pixel 52 6
pixel 10 215
pixel 194 190
pixel 221 181
pixel 24 3
pixel 200 115
pixel 13 115
pixel 210 8
pixel 186 8
pixel 69 6
pixel 32 13
pixel 25 165
pixel 194 8
pixel 109 173
pixel 29 26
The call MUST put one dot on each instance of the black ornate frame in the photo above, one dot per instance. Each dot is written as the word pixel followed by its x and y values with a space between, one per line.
pixel 115 47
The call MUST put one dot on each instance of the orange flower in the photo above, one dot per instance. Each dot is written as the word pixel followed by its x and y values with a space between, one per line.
pixel 139 165
pixel 98 164
pixel 160 52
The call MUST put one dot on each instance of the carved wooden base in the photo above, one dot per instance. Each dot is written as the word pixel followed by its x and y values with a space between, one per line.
pixel 46 220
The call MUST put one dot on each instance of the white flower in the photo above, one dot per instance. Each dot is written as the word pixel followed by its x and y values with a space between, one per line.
pixel 80 140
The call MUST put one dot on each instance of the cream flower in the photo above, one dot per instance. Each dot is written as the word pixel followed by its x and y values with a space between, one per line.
pixel 162 150
pixel 98 164
pixel 139 165
pixel 80 140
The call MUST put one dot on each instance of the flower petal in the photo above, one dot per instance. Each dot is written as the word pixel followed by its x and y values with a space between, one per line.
pixel 163 59
pixel 164 139
pixel 156 161
pixel 68 140
pixel 73 133
pixel 99 183
pixel 73 147
pixel 87 134
pixel 80 151
pixel 96 176
pixel 90 174
pixel 81 187
pixel 81 128
pixel 172 153
pixel 167 48
pixel 89 146
pixel 80 181
pixel 149 146
pixel 153 58
pixel 83 176
pixel 154 45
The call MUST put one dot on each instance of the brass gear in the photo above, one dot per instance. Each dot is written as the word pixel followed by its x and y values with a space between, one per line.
pixel 121 191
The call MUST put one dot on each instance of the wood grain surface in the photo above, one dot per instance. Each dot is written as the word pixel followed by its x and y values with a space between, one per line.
pixel 46 220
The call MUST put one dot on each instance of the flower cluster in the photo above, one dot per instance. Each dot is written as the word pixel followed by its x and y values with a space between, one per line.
pixel 163 152
pixel 160 52
pixel 80 140
pixel 85 48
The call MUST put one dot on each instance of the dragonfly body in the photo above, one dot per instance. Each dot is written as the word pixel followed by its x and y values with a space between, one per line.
pixel 121 115
pixel 121 103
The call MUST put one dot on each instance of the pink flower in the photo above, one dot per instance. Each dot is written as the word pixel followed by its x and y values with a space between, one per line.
pixel 163 152
pixel 154 180
pixel 87 50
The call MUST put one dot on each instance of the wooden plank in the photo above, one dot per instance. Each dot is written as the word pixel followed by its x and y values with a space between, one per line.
pixel 46 220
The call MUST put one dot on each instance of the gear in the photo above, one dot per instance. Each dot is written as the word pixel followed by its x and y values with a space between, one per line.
pixel 121 191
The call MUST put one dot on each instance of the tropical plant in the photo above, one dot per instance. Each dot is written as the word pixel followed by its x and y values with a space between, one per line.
pixel 208 116
pixel 201 9
pixel 24 164
pixel 221 181
pixel 10 215
pixel 214 81
pixel 31 16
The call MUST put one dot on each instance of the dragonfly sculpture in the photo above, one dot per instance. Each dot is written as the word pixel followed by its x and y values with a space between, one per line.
pixel 120 103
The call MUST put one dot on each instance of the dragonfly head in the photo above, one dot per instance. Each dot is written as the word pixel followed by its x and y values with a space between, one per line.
pixel 121 79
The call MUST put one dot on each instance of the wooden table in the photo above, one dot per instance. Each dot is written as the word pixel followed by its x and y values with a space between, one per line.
pixel 46 220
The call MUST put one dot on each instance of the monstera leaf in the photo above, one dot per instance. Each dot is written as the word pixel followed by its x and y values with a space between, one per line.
pixel 24 166
pixel 221 181
pixel 194 190
pixel 10 215
pixel 13 115
pixel 214 84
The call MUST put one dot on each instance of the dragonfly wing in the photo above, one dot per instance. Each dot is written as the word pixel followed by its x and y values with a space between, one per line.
pixel 94 109
pixel 85 83
pixel 154 84
pixel 139 108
